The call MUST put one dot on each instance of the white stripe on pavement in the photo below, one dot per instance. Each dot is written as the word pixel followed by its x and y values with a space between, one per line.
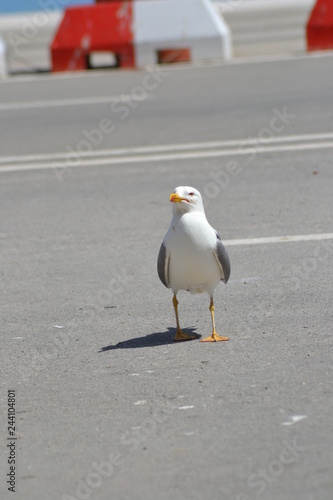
pixel 240 143
pixel 279 239
pixel 79 101
pixel 194 155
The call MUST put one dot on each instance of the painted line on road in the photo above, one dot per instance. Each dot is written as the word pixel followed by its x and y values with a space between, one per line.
pixel 241 143
pixel 194 155
pixel 79 101
pixel 279 239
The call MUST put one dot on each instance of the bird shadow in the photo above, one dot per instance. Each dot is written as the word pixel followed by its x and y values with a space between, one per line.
pixel 151 340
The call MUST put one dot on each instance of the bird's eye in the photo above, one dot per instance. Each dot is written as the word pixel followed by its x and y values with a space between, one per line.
pixel 191 194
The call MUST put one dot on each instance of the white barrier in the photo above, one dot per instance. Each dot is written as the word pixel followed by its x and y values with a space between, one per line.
pixel 28 37
pixel 179 24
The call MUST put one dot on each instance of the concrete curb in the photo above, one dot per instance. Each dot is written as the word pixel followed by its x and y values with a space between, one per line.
pixel 3 59
pixel 241 5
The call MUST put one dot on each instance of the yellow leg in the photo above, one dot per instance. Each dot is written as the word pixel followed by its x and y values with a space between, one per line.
pixel 214 337
pixel 180 335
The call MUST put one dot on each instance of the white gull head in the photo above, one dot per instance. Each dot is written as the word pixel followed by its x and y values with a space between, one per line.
pixel 186 199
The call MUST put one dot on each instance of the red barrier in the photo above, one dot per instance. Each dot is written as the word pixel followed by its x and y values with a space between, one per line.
pixel 319 28
pixel 105 27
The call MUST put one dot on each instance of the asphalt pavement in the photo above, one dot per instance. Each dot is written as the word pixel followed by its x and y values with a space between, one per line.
pixel 107 405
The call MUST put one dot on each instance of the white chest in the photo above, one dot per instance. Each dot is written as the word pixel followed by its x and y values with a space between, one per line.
pixel 191 242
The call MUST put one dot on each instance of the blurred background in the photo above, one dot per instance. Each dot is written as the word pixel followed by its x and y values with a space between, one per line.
pixel 258 27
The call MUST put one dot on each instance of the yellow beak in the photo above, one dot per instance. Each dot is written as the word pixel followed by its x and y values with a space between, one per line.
pixel 175 198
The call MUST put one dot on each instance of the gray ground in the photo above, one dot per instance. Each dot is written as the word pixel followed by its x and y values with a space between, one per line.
pixel 108 407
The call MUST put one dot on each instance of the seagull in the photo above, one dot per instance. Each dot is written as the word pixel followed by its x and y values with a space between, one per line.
pixel 192 256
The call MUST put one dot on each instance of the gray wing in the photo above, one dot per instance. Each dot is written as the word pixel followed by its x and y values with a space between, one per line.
pixel 163 265
pixel 222 258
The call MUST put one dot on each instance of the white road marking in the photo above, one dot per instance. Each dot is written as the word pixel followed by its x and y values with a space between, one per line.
pixel 279 239
pixel 294 419
pixel 129 158
pixel 76 101
pixel 49 77
pixel 240 143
